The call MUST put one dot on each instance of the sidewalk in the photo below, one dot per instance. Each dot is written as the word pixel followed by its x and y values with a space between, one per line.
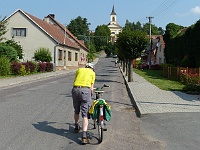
pixel 150 99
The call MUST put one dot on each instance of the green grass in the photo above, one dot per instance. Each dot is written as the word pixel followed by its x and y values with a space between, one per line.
pixel 155 77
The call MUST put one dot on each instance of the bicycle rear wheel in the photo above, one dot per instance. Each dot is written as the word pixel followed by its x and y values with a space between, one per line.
pixel 100 132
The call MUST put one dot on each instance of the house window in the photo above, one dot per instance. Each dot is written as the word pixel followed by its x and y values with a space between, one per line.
pixel 60 55
pixel 69 56
pixel 19 32
pixel 76 56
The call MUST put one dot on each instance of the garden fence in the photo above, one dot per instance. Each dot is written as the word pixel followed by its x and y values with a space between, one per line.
pixel 185 75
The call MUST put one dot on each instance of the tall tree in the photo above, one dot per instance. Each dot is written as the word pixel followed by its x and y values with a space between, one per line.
pixel 172 30
pixel 79 27
pixel 128 25
pixel 154 29
pixel 102 37
pixel 137 26
pixel 132 43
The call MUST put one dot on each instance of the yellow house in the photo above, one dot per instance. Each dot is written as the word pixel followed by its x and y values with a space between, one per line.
pixel 33 33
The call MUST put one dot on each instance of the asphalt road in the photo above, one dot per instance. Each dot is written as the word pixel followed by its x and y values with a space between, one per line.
pixel 180 131
pixel 39 115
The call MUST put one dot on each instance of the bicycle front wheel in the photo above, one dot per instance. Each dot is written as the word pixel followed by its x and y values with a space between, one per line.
pixel 100 132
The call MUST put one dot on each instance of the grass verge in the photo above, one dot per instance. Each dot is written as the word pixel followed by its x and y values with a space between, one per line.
pixel 155 77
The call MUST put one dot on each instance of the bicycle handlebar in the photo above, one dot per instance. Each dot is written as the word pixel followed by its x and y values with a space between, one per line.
pixel 99 91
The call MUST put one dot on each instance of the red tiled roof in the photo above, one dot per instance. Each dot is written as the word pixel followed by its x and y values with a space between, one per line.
pixel 54 32
pixel 68 32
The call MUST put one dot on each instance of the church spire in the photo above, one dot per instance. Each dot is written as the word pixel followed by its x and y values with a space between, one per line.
pixel 113 11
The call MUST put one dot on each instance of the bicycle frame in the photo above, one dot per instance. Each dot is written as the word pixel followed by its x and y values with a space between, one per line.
pixel 100 120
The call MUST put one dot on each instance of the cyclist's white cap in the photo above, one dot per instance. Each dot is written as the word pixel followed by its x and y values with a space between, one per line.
pixel 89 65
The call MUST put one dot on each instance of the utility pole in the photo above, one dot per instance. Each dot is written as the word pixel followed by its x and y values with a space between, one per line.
pixel 150 52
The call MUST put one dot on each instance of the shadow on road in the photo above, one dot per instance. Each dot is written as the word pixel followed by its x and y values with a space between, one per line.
pixel 46 126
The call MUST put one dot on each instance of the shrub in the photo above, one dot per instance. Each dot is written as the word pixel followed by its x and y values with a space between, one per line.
pixel 25 65
pixel 8 51
pixel 42 67
pixel 16 46
pixel 23 70
pixel 43 54
pixel 30 66
pixel 4 66
pixel 192 88
pixel 15 68
pixel 49 67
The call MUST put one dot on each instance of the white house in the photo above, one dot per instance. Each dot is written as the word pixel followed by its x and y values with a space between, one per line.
pixel 33 33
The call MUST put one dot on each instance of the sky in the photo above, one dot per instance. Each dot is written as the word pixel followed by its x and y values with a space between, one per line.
pixel 97 12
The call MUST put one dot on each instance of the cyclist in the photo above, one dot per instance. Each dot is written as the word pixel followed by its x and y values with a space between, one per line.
pixel 81 94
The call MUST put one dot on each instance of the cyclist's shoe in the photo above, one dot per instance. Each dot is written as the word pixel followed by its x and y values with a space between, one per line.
pixel 85 140
pixel 77 129
pixel 89 116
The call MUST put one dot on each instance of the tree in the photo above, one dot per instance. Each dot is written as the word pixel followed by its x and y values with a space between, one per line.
pixel 171 53
pixel 102 37
pixel 128 25
pixel 154 29
pixel 16 46
pixel 43 54
pixel 3 24
pixel 8 51
pixel 132 43
pixel 135 26
pixel 79 27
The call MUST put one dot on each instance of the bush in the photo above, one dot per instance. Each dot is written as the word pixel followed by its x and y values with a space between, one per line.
pixel 33 66
pixel 4 66
pixel 43 54
pixel 15 68
pixel 23 70
pixel 42 67
pixel 16 46
pixel 30 67
pixel 49 67
pixel 8 51
pixel 192 88
pixel 25 65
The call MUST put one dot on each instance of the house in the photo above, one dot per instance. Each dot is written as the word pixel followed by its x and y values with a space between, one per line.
pixel 159 53
pixel 114 27
pixel 156 50
pixel 33 33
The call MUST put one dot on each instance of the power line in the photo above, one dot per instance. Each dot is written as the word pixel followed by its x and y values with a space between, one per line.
pixel 162 10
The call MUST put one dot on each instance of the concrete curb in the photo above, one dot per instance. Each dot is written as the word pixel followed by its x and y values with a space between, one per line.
pixel 139 110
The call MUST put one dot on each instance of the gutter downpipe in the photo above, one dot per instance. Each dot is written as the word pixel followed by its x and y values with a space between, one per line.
pixel 54 62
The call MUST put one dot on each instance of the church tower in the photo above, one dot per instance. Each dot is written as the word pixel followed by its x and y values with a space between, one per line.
pixel 113 16
pixel 114 27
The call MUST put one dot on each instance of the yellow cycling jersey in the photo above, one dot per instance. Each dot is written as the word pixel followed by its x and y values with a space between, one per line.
pixel 84 77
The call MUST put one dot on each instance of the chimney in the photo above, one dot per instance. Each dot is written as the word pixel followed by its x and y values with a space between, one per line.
pixel 52 15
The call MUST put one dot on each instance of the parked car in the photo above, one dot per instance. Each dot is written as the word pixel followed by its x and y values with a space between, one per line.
pixel 114 56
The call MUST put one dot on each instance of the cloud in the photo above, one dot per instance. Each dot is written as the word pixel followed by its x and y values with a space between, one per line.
pixel 196 10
